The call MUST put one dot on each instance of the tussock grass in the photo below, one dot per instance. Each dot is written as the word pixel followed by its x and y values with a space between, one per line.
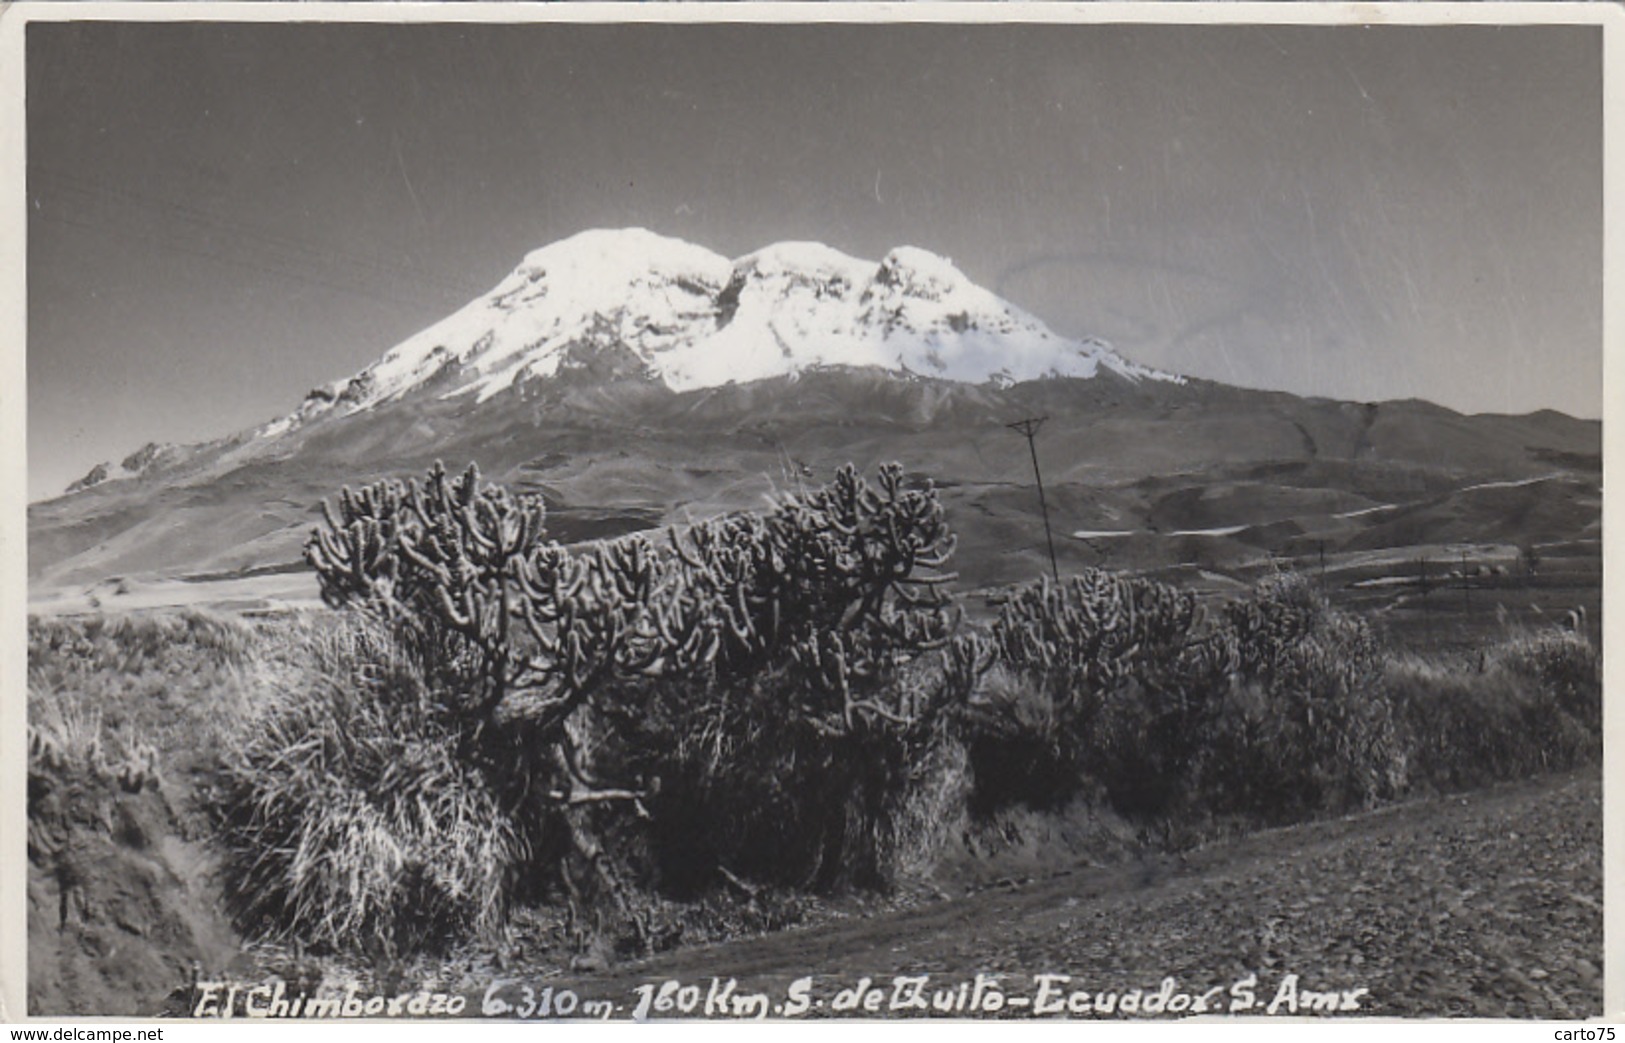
pixel 932 811
pixel 352 816
pixel 69 742
pixel 1530 704
pixel 171 679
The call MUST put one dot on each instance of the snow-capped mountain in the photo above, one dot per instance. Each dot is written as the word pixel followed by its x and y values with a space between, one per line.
pixel 629 303
pixel 690 318
pixel 634 381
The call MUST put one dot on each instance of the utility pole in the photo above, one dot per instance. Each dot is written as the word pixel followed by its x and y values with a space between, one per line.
pixel 1427 616
pixel 1029 427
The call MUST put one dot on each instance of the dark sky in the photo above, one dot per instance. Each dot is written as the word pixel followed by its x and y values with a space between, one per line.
pixel 223 216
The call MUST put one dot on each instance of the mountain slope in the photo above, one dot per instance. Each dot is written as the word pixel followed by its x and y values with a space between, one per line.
pixel 634 381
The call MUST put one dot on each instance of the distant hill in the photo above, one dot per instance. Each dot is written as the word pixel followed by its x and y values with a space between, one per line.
pixel 635 381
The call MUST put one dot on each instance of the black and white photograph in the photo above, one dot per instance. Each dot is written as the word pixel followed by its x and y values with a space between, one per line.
pixel 801 513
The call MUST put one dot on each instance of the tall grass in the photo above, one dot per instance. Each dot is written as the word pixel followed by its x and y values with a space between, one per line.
pixel 1529 704
pixel 353 817
pixel 78 766
pixel 169 679
pixel 124 703
pixel 70 743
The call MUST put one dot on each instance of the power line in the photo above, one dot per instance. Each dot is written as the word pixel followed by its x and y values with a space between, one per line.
pixel 1029 427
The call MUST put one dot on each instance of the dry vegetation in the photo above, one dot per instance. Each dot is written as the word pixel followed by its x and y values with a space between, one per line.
pixel 665 742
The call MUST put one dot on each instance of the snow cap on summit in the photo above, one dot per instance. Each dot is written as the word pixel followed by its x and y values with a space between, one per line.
pixel 694 319
pixel 794 257
pixel 620 254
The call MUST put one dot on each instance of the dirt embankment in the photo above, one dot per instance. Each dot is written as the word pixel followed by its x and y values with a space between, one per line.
pixel 121 910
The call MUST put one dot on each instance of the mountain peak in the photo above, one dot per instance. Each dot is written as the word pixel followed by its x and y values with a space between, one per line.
pixel 135 465
pixel 691 318
pixel 919 273
pixel 800 257
pixel 634 253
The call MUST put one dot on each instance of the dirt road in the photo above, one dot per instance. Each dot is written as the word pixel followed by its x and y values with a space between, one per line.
pixel 1482 905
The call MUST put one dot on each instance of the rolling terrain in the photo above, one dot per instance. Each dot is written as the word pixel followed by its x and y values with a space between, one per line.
pixel 602 402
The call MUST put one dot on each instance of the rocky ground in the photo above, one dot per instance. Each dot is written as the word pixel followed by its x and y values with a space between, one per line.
pixel 1484 905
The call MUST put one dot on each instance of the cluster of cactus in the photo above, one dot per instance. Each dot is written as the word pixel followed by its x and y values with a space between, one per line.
pixel 1105 656
pixel 454 558
pixel 845 583
pixel 1307 722
pixel 1282 611
pixel 1095 630
pixel 790 750
pixel 838 580
pixel 518 632
pixel 553 653
pixel 1310 661
pixel 1276 707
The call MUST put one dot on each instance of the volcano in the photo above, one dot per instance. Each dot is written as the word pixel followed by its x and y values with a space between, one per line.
pixel 634 380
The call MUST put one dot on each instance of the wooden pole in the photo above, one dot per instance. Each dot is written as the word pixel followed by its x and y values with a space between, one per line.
pixel 1029 427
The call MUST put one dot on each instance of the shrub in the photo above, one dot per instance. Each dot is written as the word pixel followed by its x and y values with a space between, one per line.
pixel 1306 724
pixel 1095 689
pixel 1531 704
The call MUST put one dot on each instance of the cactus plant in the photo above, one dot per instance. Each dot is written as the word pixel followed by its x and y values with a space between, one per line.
pixel 817 606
